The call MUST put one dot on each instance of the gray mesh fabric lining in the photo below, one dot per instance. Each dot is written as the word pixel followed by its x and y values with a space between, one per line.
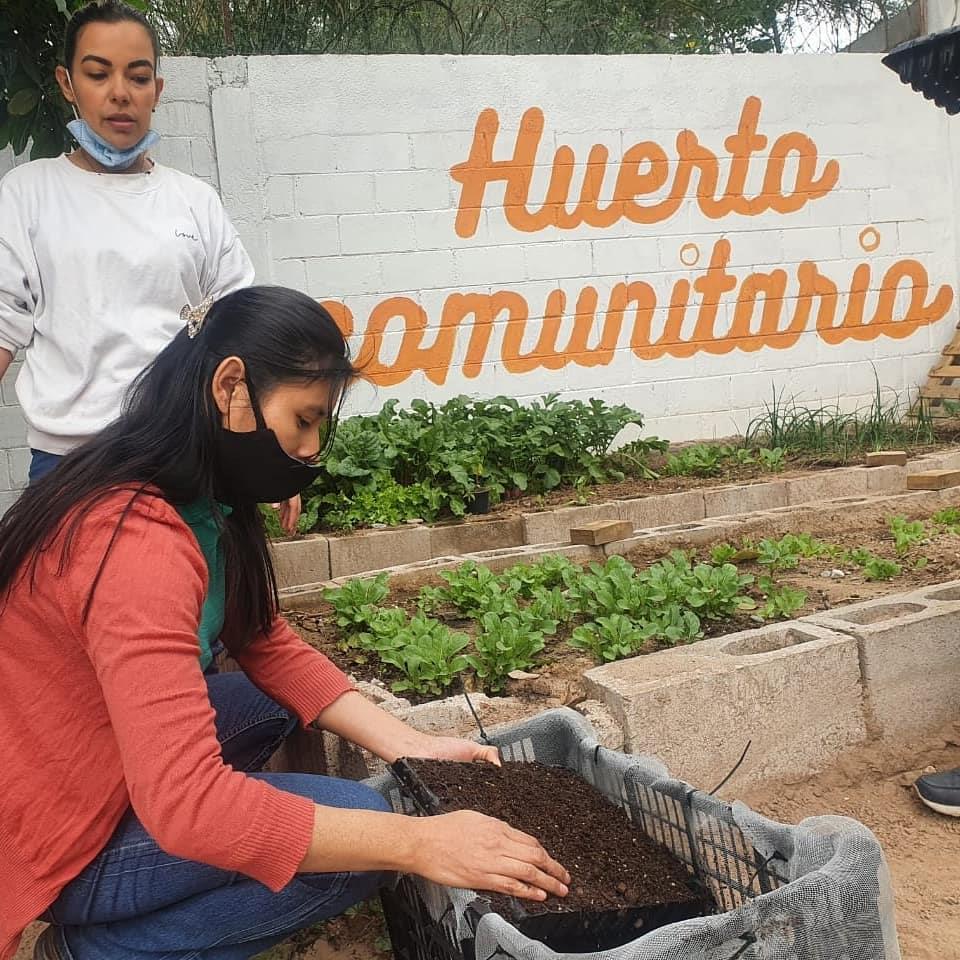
pixel 817 891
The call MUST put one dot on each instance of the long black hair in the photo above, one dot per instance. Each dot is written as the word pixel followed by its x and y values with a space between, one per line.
pixel 104 11
pixel 165 438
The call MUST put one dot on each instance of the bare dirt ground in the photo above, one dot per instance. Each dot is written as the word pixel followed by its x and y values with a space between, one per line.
pixel 873 784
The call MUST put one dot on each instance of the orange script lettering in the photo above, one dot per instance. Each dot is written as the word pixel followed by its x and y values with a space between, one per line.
pixel 644 170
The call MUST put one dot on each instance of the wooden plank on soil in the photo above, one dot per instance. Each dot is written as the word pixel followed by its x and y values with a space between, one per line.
pixel 933 480
pixel 887 458
pixel 948 371
pixel 940 392
pixel 598 532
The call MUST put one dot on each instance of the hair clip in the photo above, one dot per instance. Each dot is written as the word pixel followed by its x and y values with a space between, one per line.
pixel 193 317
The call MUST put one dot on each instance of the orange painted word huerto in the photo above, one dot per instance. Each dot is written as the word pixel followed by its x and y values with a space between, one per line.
pixel 644 170
pixel 769 309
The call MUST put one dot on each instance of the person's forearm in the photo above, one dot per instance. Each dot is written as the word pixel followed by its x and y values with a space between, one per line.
pixel 356 719
pixel 359 840
pixel 6 358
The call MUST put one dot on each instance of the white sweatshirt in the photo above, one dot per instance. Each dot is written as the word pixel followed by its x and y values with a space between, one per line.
pixel 94 270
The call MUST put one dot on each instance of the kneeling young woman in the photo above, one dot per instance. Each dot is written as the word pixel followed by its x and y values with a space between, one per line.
pixel 135 818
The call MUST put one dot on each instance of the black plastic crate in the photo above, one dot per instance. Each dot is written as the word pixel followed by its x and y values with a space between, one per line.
pixel 574 931
pixel 720 860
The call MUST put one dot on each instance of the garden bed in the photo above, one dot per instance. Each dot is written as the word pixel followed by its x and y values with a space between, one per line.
pixel 434 462
pixel 706 470
pixel 779 567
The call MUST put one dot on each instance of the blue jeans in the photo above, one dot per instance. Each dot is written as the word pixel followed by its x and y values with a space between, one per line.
pixel 41 463
pixel 135 902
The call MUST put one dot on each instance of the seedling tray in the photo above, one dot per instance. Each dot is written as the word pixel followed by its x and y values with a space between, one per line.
pixel 561 927
pixel 820 889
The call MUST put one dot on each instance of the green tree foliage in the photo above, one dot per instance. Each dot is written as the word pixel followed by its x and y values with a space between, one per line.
pixel 32 111
pixel 31 33
pixel 214 27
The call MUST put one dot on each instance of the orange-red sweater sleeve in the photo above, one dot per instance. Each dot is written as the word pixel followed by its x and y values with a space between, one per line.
pixel 141 637
pixel 290 671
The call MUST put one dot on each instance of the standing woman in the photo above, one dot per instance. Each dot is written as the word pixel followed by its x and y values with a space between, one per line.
pixel 101 248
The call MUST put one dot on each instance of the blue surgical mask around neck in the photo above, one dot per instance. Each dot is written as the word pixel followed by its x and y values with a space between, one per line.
pixel 101 150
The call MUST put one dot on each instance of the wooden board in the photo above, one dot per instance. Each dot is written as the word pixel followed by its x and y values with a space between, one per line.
pixel 933 391
pixel 933 480
pixel 941 392
pixel 886 458
pixel 601 531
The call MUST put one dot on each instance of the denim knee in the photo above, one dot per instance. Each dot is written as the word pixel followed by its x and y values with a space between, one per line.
pixel 366 798
pixel 328 791
pixel 348 794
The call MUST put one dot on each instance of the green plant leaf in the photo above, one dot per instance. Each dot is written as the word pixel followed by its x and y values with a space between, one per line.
pixel 23 102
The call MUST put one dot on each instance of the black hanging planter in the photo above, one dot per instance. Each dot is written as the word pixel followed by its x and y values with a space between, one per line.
pixel 480 502
pixel 931 65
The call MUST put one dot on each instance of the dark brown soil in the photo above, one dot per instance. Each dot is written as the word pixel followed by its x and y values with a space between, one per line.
pixel 612 864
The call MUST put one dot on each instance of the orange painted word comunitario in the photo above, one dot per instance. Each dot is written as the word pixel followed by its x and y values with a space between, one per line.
pixel 713 312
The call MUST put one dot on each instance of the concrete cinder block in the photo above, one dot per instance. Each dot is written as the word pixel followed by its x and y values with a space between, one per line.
pixel 890 479
pixel 909 655
pixel 413 574
pixel 914 500
pixel 460 538
pixel 674 535
pixel 599 532
pixel 646 512
pixel 306 596
pixel 551 526
pixel 304 237
pixel 377 549
pixel 500 560
pixel 607 728
pixel 13 428
pixel 793 689
pixel 299 562
pixel 941 593
pixel 304 751
pixel 744 498
pixel 7 500
pixel 929 461
pixel 827 485
pixel 8 394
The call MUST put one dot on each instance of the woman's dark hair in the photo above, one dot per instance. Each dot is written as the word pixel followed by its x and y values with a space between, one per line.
pixel 166 437
pixel 104 11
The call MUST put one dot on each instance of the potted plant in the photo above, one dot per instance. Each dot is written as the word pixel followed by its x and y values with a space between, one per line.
pixel 480 503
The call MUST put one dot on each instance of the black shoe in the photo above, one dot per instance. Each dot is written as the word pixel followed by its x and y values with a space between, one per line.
pixel 941 791
pixel 47 946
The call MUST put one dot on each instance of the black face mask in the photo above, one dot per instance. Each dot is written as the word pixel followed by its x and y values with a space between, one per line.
pixel 254 468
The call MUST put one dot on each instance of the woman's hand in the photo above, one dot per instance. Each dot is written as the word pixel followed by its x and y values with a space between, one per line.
pixel 468 849
pixel 453 748
pixel 356 719
pixel 289 513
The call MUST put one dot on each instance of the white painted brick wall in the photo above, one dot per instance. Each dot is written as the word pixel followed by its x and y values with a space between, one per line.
pixel 14 455
pixel 350 195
